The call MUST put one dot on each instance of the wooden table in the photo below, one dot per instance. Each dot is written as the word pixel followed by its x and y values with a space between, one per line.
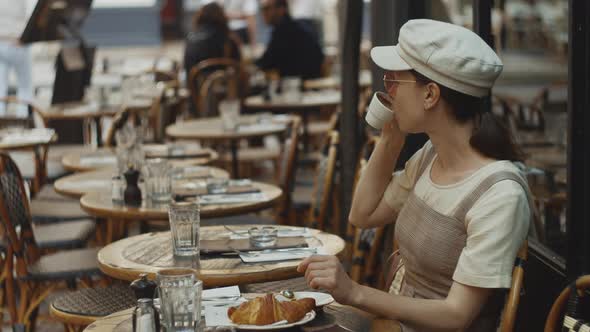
pixel 85 112
pixel 101 205
pixel 79 184
pixel 331 315
pixel 310 101
pixel 212 129
pixel 74 162
pixel 148 253
pixel 27 140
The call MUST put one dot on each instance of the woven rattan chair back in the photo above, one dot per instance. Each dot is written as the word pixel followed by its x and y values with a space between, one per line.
pixel 15 215
pixel 287 169
pixel 200 71
pixel 565 309
pixel 321 203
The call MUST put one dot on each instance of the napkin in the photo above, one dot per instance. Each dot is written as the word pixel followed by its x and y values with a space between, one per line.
pixel 221 292
pixel 282 232
pixel 277 255
pixel 232 198
pixel 98 160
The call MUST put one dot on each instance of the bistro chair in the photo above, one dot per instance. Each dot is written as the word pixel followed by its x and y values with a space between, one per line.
pixel 80 308
pixel 35 274
pixel 203 69
pixel 317 216
pixel 565 313
pixel 41 165
pixel 285 179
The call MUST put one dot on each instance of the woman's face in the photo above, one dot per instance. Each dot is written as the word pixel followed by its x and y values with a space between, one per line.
pixel 408 100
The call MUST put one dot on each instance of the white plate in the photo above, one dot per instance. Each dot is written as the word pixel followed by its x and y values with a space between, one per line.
pixel 321 299
pixel 307 318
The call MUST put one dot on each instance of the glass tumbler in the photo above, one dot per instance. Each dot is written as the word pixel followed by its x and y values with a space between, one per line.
pixel 184 226
pixel 158 180
pixel 180 299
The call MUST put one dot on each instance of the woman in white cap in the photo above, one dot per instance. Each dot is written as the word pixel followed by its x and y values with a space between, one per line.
pixel 460 206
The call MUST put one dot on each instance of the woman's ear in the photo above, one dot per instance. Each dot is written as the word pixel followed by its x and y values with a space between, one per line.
pixel 431 95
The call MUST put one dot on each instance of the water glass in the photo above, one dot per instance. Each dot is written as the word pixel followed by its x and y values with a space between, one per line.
pixel 184 225
pixel 217 185
pixel 291 88
pixel 158 180
pixel 262 237
pixel 229 110
pixel 180 299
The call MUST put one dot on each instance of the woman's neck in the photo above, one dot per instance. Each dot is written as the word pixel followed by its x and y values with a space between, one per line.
pixel 454 152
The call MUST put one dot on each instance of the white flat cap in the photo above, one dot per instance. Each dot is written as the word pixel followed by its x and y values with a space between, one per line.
pixel 448 54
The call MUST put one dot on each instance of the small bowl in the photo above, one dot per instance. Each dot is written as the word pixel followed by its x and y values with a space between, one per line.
pixel 263 237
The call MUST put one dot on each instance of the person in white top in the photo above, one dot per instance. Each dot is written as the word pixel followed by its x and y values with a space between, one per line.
pixel 242 18
pixel 13 55
pixel 461 205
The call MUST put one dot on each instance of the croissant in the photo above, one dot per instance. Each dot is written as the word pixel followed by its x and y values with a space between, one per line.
pixel 267 310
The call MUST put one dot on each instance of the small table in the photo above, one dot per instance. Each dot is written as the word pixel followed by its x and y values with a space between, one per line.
pixel 74 162
pixel 79 184
pixel 331 315
pixel 310 101
pixel 148 253
pixel 35 140
pixel 333 82
pixel 212 129
pixel 86 112
pixel 100 204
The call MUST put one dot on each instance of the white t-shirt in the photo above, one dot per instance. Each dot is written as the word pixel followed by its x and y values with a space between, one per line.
pixel 14 16
pixel 496 225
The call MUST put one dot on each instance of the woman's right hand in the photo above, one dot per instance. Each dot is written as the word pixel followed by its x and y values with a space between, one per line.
pixel 392 134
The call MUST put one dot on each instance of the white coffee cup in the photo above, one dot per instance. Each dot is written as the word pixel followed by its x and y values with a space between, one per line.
pixel 380 111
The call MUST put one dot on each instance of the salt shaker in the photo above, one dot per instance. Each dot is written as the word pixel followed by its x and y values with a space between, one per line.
pixel 144 316
pixel 117 187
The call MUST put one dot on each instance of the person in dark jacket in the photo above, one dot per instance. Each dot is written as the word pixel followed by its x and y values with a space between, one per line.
pixel 211 38
pixel 292 50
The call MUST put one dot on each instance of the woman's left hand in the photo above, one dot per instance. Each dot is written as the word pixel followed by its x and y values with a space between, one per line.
pixel 326 272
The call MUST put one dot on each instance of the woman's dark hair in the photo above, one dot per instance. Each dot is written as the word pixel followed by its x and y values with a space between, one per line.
pixel 211 14
pixel 491 137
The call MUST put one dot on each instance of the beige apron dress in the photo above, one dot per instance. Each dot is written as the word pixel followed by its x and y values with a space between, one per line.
pixel 430 245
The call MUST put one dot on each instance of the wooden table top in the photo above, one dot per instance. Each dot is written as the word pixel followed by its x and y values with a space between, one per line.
pixel 211 128
pixel 20 140
pixel 100 204
pixel 79 184
pixel 332 82
pixel 84 110
pixel 331 315
pixel 76 162
pixel 148 253
pixel 309 99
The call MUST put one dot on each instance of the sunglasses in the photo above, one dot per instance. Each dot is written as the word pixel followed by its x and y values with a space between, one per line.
pixel 391 83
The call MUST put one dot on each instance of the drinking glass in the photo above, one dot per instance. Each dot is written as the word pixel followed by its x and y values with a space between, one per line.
pixel 158 180
pixel 180 299
pixel 229 110
pixel 291 88
pixel 184 226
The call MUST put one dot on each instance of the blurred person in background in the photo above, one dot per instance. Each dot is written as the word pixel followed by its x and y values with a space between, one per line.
pixel 14 55
pixel 210 38
pixel 308 13
pixel 242 18
pixel 292 49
